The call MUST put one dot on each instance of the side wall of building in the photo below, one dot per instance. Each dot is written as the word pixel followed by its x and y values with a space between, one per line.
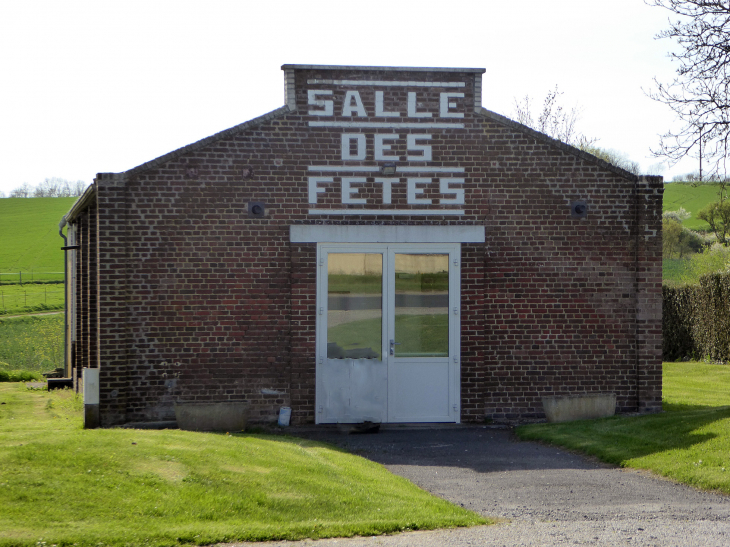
pixel 84 340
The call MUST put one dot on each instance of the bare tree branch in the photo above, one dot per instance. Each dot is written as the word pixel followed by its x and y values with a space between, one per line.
pixel 50 188
pixel 699 94
pixel 553 119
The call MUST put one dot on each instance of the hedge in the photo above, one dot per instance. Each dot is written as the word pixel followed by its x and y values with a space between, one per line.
pixel 696 320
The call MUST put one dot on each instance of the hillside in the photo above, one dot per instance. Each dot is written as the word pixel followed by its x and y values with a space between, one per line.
pixel 692 198
pixel 30 234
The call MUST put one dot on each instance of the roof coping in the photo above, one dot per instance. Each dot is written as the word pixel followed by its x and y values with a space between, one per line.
pixel 383 68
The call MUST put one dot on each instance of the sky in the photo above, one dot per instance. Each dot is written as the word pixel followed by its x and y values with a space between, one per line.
pixel 103 86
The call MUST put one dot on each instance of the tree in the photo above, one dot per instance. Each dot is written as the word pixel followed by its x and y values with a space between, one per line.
pixel 553 120
pixel 77 188
pixel 677 238
pixel 717 215
pixel 23 191
pixel 559 123
pixel 50 188
pixel 699 94
pixel 614 157
pixel 671 236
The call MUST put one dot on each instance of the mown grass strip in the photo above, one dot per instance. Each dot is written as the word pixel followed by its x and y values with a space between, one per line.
pixel 61 484
pixel 31 297
pixel 33 343
pixel 689 443
pixel 693 386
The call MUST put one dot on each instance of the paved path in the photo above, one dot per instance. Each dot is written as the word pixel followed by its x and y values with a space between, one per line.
pixel 542 495
pixel 29 314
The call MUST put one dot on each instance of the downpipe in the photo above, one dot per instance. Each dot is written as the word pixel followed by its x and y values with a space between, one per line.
pixel 61 225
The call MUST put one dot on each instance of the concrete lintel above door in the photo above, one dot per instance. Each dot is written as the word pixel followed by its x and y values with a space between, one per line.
pixel 313 233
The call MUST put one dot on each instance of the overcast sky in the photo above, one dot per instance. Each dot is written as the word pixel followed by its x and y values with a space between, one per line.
pixel 99 86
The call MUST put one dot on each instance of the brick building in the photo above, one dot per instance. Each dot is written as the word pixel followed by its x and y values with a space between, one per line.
pixel 380 248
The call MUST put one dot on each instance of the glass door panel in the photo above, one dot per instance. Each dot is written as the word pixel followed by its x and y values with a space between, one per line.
pixel 421 323
pixel 354 306
pixel 388 333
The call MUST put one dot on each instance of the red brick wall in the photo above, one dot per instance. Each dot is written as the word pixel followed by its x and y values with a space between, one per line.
pixel 200 301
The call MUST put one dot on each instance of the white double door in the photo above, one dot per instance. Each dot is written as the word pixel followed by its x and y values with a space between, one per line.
pixel 388 341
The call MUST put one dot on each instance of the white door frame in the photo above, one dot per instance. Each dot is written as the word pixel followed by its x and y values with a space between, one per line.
pixel 398 384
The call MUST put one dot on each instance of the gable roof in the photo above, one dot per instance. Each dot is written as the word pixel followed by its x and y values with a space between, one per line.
pixel 291 107
pixel 542 137
pixel 202 143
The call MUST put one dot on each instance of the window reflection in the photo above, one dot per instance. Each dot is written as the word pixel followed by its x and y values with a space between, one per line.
pixel 422 305
pixel 354 305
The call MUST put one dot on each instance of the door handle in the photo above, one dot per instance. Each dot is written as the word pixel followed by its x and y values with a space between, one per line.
pixel 393 344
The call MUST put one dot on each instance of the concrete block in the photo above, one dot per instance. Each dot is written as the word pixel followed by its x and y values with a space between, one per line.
pixel 579 407
pixel 224 416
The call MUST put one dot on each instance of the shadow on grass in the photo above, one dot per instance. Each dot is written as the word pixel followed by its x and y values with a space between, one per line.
pixel 683 407
pixel 618 439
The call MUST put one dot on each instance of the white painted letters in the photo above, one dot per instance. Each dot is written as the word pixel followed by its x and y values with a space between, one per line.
pixel 381 148
pixel 413 192
pixel 387 188
pixel 353 106
pixel 415 189
pixel 346 146
pixel 425 149
pixel 419 187
pixel 379 109
pixel 458 193
pixel 328 105
pixel 348 191
pixel 445 105
pixel 348 108
pixel 412 103
pixel 314 189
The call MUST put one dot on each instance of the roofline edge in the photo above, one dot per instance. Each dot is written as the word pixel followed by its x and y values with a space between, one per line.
pixel 382 68
pixel 558 144
pixel 207 140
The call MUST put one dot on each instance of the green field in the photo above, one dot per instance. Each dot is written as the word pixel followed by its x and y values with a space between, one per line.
pixel 31 241
pixel 692 198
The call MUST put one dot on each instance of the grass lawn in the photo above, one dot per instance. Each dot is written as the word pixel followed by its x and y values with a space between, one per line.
pixel 689 442
pixel 63 485
pixel 695 386
pixel 32 344
pixel 30 297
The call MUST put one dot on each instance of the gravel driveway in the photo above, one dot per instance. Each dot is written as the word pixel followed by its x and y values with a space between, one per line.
pixel 542 495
